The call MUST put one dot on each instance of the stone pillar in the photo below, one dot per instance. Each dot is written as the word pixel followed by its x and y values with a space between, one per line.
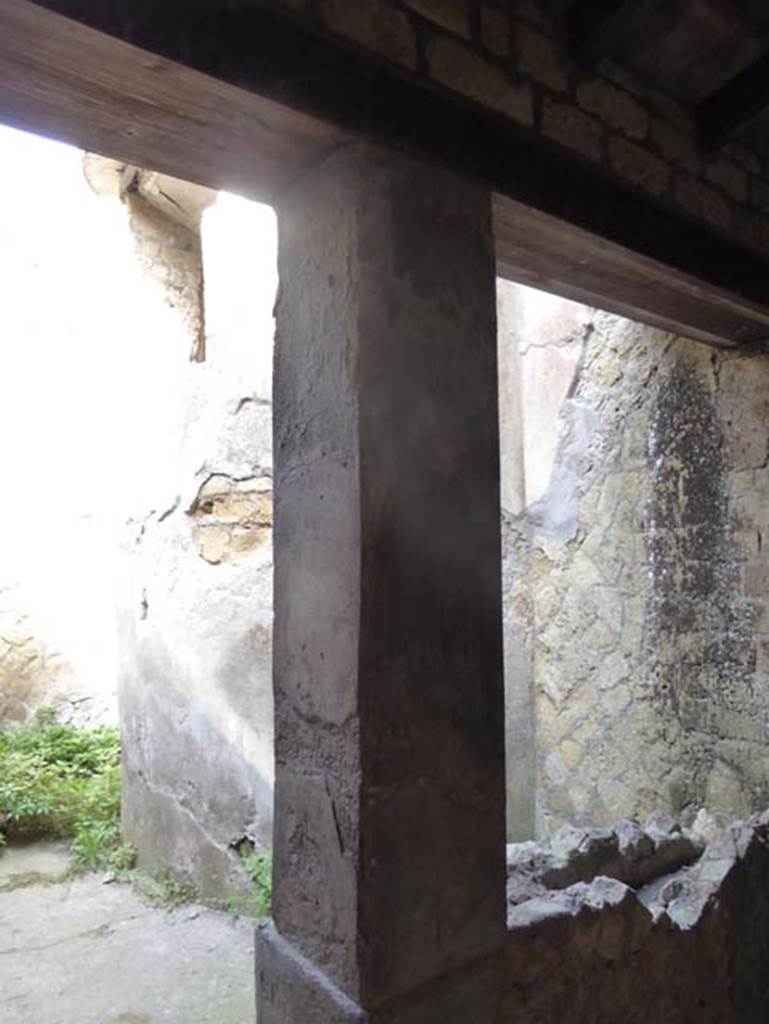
pixel 390 782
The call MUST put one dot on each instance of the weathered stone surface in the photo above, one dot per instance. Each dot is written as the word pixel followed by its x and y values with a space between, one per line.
pixel 728 176
pixel 291 988
pixel 703 201
pixel 566 123
pixel 636 590
pixel 31 674
pixel 531 37
pixel 698 952
pixel 377 663
pixel 375 25
pixel 526 863
pixel 687 894
pixel 451 14
pixel 638 166
pixel 458 67
pixel 755 226
pixel 195 593
pixel 706 825
pixel 233 517
pixel 541 57
pixel 628 853
pixel 675 143
pixel 614 106
pixel 495 30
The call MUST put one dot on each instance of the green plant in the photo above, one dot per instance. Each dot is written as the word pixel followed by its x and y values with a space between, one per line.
pixel 56 780
pixel 164 890
pixel 123 858
pixel 259 869
pixel 93 844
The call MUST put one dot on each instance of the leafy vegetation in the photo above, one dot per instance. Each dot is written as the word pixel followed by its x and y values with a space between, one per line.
pixel 163 890
pixel 56 780
pixel 63 782
pixel 259 903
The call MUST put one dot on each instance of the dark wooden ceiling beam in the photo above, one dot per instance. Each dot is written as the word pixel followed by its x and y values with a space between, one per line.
pixel 724 114
pixel 243 97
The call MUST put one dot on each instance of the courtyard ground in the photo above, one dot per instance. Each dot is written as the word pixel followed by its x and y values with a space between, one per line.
pixel 90 951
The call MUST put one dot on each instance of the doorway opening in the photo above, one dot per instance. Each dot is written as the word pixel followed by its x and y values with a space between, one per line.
pixel 633 476
pixel 136 583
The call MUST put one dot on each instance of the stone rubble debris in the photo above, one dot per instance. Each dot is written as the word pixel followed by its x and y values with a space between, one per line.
pixel 666 870
pixel 628 852
pixel 690 946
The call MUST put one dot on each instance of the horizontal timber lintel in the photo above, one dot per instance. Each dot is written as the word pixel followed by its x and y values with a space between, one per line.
pixel 247 99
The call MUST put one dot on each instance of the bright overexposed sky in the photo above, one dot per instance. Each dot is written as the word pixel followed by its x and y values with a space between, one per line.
pixel 65 344
pixel 103 417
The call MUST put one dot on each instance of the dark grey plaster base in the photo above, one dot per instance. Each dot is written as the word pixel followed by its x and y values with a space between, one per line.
pixel 291 990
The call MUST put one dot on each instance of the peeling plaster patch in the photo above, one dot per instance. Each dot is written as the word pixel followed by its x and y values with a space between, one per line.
pixel 232 517
pixel 556 513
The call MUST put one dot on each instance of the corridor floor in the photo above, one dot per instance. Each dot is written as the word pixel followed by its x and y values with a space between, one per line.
pixel 90 952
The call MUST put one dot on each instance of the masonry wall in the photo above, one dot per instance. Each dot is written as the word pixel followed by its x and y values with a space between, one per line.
pixel 195 622
pixel 636 579
pixel 511 56
pixel 136 540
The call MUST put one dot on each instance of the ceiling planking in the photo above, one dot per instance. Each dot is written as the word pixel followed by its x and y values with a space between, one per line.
pixel 556 219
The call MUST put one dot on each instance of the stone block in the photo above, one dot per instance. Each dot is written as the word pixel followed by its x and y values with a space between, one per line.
pixel 699 888
pixel 638 165
pixel 729 177
pixel 747 158
pixel 495 30
pixel 703 201
pixel 614 107
pixel 459 68
pixel 374 24
pixel 541 57
pixel 675 144
pixel 754 227
pixel 759 193
pixel 453 15
pixel 571 127
pixel 628 853
pixel 536 14
pixel 232 517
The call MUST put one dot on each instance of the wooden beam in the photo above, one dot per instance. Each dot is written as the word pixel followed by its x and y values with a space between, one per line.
pixel 60 78
pixel 259 97
pixel 557 257
pixel 735 105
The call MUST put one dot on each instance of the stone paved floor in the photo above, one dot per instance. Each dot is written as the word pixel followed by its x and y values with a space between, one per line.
pixel 86 952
